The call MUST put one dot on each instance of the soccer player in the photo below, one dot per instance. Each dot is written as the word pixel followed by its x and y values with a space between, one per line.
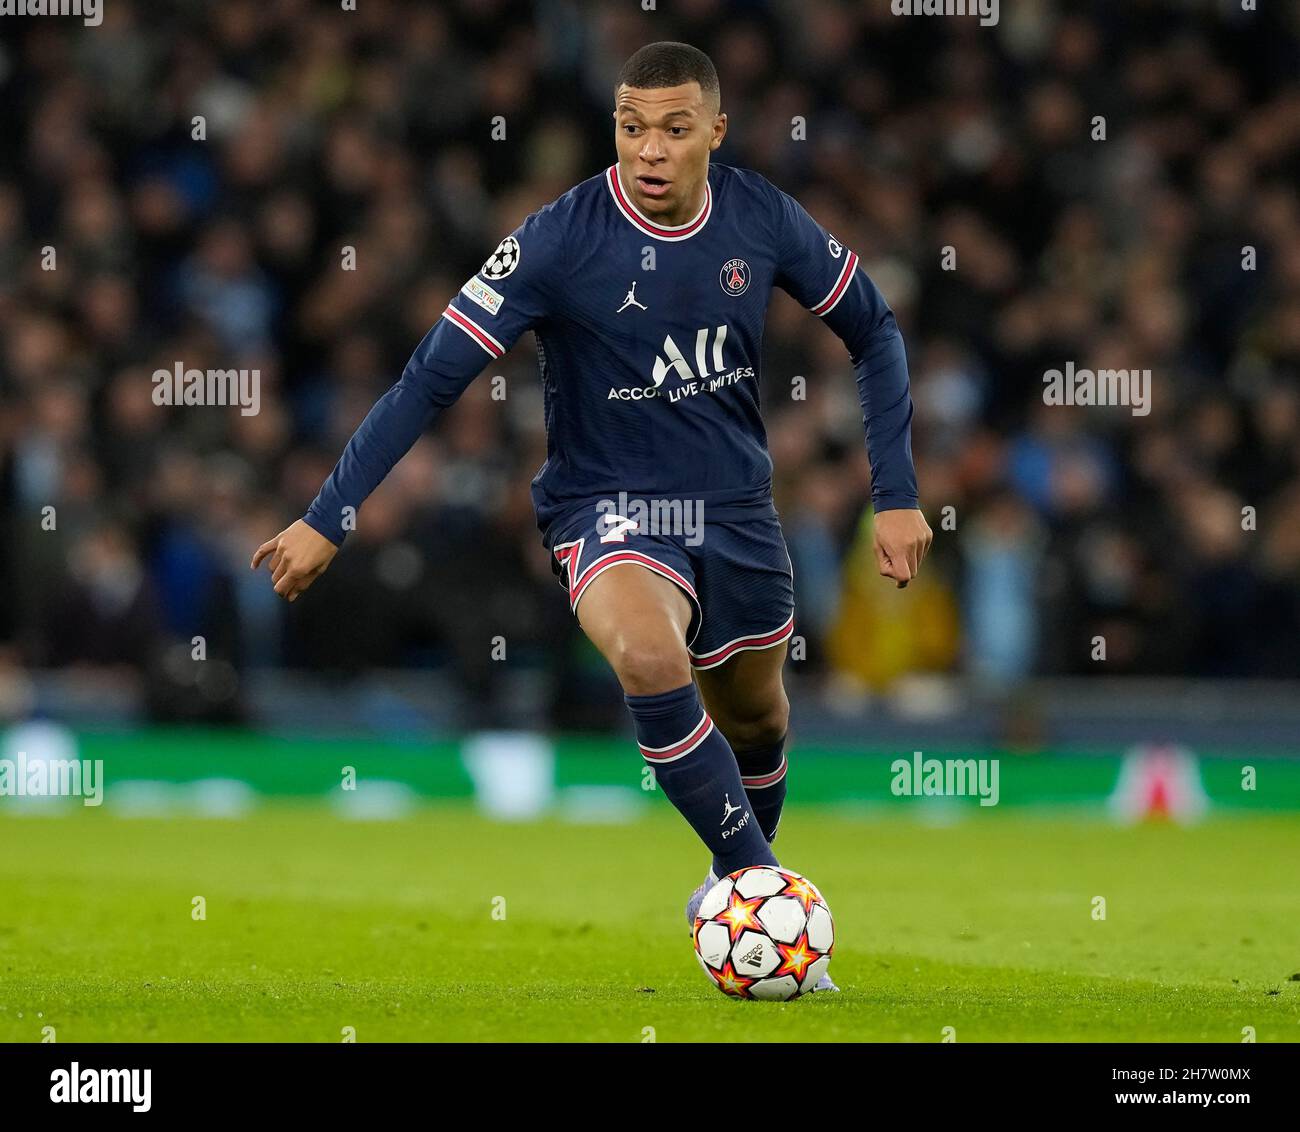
pixel 647 288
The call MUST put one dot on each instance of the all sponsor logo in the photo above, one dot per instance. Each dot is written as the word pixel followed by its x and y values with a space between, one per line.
pixel 704 370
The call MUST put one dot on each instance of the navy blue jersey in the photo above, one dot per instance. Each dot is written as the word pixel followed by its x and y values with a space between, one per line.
pixel 648 339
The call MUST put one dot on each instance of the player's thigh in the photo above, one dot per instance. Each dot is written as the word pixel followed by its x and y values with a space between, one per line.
pixel 746 696
pixel 638 620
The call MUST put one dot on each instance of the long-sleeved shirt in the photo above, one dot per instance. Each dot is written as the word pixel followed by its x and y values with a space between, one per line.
pixel 648 341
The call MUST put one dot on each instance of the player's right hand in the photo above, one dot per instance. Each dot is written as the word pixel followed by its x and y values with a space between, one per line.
pixel 902 538
pixel 299 555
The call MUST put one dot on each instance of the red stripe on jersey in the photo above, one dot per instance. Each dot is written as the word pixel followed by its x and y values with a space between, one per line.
pixel 629 210
pixel 837 292
pixel 740 644
pixel 589 574
pixel 568 553
pixel 472 328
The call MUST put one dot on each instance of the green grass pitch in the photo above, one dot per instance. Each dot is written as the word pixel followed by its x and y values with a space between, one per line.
pixel 314 924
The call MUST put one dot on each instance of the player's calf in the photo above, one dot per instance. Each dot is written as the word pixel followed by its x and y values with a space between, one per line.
pixel 638 620
pixel 696 769
pixel 747 698
pixel 762 771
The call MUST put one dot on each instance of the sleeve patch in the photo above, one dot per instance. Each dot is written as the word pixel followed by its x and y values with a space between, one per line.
pixel 502 261
pixel 479 292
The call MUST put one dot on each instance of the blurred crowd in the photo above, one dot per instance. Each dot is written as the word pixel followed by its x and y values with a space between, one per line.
pixel 1112 185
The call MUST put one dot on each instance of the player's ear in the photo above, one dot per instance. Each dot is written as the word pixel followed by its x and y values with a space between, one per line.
pixel 719 130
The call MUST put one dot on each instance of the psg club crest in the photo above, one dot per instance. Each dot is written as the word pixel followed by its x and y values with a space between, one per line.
pixel 734 277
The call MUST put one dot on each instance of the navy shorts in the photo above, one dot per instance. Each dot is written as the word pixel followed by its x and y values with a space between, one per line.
pixel 737 575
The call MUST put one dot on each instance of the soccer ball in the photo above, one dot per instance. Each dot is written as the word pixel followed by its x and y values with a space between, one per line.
pixel 764 932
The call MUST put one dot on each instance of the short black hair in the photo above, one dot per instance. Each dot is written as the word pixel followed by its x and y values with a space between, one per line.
pixel 670 64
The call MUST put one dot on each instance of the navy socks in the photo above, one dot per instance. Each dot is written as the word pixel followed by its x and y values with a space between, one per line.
pixel 695 767
pixel 762 770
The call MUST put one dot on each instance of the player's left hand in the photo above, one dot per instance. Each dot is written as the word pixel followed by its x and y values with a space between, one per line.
pixel 902 538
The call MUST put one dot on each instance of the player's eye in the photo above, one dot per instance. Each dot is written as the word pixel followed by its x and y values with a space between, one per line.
pixel 677 131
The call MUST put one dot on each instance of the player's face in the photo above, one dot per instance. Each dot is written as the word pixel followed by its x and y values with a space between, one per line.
pixel 664 136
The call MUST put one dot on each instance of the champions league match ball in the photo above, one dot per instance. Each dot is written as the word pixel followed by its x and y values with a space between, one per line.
pixel 764 932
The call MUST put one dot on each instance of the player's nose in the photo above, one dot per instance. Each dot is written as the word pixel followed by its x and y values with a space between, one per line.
pixel 652 149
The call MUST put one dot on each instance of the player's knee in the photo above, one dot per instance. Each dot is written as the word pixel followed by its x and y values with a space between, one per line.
pixel 648 667
pixel 761 728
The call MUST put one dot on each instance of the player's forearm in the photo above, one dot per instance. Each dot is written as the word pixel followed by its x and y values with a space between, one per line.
pixel 866 325
pixel 389 431
pixel 883 391
pixel 391 427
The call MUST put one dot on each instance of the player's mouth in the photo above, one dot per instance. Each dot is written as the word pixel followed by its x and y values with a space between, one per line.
pixel 653 186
